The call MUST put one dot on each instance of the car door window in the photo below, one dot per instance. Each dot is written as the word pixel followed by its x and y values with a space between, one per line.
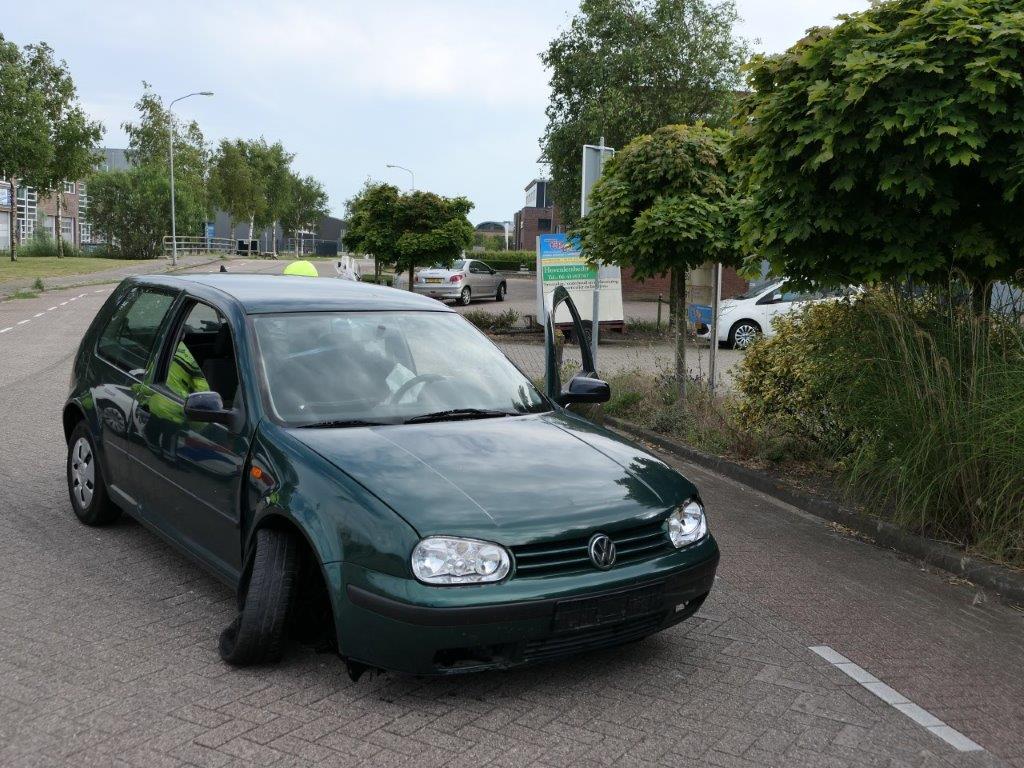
pixel 203 356
pixel 476 268
pixel 131 332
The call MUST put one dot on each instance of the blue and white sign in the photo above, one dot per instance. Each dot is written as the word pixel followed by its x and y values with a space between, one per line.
pixel 210 230
pixel 560 261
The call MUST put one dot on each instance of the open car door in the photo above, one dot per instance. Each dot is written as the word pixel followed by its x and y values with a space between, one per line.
pixel 584 386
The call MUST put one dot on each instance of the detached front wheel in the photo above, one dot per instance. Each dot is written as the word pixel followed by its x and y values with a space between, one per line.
pixel 258 633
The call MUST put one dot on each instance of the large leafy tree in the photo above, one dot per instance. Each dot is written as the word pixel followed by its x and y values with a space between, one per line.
pixel 274 167
pixel 73 136
pixel 408 230
pixel 25 146
pixel 665 204
pixel 304 202
pixel 149 144
pixel 890 146
pixel 131 209
pixel 624 68
pixel 236 184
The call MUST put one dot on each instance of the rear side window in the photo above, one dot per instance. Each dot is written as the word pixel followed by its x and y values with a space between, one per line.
pixel 131 332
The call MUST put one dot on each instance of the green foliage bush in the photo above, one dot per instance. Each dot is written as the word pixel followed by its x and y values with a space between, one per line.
pixel 920 402
pixel 489 321
pixel 41 244
pixel 507 261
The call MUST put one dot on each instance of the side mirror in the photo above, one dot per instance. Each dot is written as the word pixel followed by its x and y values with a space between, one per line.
pixel 208 407
pixel 493 272
pixel 585 389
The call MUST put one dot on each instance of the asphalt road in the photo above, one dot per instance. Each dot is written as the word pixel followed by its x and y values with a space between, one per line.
pixel 108 644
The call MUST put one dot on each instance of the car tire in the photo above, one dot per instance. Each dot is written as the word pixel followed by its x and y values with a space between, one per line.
pixel 500 293
pixel 86 488
pixel 743 333
pixel 258 633
pixel 465 297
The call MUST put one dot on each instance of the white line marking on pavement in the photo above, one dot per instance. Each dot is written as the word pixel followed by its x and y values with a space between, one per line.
pixel 50 309
pixel 21 322
pixel 897 700
pixel 63 303
pixel 99 291
pixel 73 298
pixel 38 314
pixel 5 330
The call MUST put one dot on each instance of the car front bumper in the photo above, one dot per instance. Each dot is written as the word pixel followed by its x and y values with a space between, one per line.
pixel 399 624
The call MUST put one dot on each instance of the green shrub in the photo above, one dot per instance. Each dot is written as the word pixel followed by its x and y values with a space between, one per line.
pixel 507 261
pixel 919 401
pixel 490 322
pixel 41 244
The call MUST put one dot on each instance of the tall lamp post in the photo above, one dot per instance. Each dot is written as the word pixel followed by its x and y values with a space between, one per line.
pixel 412 175
pixel 170 152
pixel 507 225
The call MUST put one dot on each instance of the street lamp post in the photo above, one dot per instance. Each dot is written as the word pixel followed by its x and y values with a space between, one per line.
pixel 170 152
pixel 506 225
pixel 412 175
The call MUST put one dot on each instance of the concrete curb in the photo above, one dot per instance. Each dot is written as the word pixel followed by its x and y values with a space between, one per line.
pixel 1007 583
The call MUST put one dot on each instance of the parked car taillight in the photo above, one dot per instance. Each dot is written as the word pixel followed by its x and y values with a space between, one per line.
pixel 455 279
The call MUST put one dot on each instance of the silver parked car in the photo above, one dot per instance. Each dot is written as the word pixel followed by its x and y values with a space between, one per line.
pixel 465 280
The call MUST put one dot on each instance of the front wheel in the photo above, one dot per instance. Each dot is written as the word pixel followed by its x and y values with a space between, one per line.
pixel 258 633
pixel 499 295
pixel 86 488
pixel 465 297
pixel 743 334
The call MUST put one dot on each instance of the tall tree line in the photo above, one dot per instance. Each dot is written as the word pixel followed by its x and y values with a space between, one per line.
pixel 46 138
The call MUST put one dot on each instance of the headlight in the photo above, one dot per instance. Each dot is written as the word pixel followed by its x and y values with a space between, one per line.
pixel 447 560
pixel 687 524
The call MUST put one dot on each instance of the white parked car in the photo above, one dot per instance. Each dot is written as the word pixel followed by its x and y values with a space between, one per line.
pixel 743 318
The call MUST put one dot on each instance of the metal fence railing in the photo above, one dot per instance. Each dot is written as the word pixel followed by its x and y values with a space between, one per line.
pixel 188 244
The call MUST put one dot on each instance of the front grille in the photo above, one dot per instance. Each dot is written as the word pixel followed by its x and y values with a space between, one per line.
pixel 571 556
pixel 591 639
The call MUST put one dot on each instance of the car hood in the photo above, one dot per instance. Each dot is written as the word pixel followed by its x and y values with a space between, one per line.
pixel 514 480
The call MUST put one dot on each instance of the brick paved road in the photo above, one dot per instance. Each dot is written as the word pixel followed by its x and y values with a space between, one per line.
pixel 108 645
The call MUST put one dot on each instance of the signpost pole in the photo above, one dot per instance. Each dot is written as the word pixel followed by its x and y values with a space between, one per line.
pixel 716 289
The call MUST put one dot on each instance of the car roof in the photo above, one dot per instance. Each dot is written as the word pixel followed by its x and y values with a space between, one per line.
pixel 262 294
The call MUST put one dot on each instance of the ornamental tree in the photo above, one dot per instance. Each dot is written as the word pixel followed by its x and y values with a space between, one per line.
pixel 665 204
pixel 890 146
pixel 624 68
pixel 25 147
pixel 408 230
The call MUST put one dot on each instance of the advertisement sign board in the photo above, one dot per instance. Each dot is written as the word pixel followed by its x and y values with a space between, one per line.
pixel 561 262
pixel 5 197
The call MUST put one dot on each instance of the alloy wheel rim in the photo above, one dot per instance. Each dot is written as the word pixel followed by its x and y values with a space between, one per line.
pixel 465 296
pixel 744 335
pixel 83 472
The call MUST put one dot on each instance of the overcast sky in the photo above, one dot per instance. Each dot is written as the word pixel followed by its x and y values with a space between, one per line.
pixel 453 89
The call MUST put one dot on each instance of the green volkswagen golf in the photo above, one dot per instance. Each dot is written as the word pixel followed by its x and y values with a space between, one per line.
pixel 372 475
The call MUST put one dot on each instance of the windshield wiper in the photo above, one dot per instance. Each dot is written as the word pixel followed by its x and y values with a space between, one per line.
pixel 458 413
pixel 342 423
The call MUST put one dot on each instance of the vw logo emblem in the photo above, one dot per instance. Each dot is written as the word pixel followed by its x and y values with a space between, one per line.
pixel 602 551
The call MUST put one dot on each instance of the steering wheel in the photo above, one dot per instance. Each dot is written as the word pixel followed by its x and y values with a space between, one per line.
pixel 423 378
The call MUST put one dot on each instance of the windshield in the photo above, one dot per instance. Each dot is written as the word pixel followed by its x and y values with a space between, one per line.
pixel 755 289
pixel 385 367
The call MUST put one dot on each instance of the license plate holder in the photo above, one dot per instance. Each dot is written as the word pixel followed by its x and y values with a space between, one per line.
pixel 434 280
pixel 587 612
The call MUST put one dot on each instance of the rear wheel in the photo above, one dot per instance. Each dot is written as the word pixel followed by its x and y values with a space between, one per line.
pixel 500 293
pixel 743 334
pixel 465 297
pixel 258 633
pixel 86 488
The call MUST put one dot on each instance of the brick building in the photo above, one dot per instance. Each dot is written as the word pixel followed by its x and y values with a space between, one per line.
pixel 539 216
pixel 36 214
pixel 698 284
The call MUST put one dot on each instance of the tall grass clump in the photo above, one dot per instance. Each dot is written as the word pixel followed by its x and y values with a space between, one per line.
pixel 919 400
